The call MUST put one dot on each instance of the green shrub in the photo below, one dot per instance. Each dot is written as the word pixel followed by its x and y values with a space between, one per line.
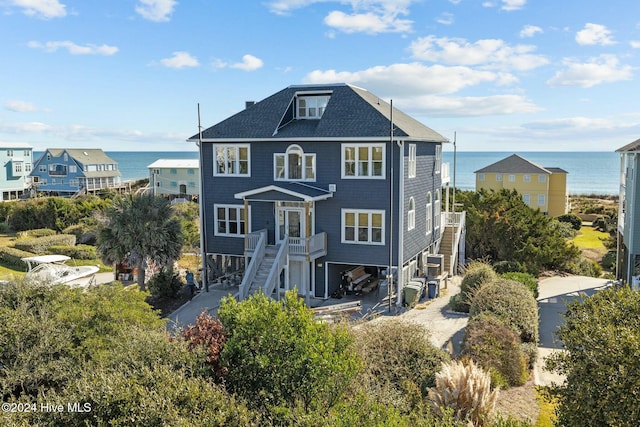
pixel 574 220
pixel 5 210
pixel 493 345
pixel 609 260
pixel 76 252
pixel 476 273
pixel 501 267
pixel 12 257
pixel 86 232
pixel 38 232
pixel 165 283
pixel 584 267
pixel 526 279
pixel 512 302
pixel 40 245
pixel 457 304
pixel 395 352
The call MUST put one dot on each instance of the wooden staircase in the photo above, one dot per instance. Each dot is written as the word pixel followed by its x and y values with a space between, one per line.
pixel 447 246
pixel 263 269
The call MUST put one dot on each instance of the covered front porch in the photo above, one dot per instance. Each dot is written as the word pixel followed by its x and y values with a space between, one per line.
pixel 280 254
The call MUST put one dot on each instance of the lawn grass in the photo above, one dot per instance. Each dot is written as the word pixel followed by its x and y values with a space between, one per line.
pixel 590 238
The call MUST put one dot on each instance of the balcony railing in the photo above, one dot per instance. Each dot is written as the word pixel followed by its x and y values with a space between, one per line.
pixel 312 247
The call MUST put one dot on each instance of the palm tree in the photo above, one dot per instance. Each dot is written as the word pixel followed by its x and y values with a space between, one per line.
pixel 137 228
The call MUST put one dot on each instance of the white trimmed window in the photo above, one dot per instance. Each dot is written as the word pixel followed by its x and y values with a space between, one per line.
pixel 231 160
pixel 526 199
pixel 294 165
pixel 498 177
pixel 363 161
pixel 436 210
pixel 480 177
pixel 9 153
pixel 312 106
pixel 363 226
pixel 512 178
pixel 412 160
pixel 411 214
pixel 230 220
pixel 541 200
pixel 73 169
pixel 438 164
pixel 17 167
pixel 429 217
pixel 526 178
pixel 542 178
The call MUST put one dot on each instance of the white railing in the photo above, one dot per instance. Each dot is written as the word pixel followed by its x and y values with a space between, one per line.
pixel 253 239
pixel 445 177
pixel 259 239
pixel 279 263
pixel 454 218
pixel 316 244
pixel 457 220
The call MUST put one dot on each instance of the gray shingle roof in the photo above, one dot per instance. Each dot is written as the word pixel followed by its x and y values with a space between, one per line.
pixel 517 164
pixel 351 112
pixel 634 146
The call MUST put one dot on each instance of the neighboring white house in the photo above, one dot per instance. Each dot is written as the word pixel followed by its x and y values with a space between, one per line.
pixel 17 163
pixel 175 178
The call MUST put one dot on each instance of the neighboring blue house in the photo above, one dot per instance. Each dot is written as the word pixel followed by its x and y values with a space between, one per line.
pixel 309 184
pixel 17 160
pixel 69 171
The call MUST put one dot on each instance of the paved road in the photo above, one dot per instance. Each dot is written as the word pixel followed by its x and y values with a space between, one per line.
pixel 555 293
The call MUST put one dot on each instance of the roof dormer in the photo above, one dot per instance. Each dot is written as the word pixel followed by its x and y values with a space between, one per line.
pixel 311 105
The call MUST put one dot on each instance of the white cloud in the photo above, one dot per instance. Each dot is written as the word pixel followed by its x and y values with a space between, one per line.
pixel 18 106
pixel 368 16
pixel 573 123
pixel 492 53
pixel 456 2
pixel 180 60
pixel 156 10
pixel 530 31
pixel 510 5
pixel 41 8
pixel 594 34
pixel 635 44
pixel 73 48
pixel 603 69
pixel 468 106
pixel 249 63
pixel 412 79
pixel 369 22
pixel 445 19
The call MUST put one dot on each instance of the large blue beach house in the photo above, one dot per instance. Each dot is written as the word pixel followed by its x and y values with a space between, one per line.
pixel 312 185
pixel 69 171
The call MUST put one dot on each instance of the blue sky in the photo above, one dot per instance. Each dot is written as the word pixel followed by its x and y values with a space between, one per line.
pixel 504 75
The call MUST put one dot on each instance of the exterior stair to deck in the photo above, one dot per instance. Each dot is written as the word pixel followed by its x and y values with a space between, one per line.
pixel 264 268
pixel 447 246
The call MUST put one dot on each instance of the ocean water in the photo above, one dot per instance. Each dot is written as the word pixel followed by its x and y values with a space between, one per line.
pixel 593 172
pixel 588 172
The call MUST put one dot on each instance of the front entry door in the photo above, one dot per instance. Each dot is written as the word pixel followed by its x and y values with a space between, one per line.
pixel 291 223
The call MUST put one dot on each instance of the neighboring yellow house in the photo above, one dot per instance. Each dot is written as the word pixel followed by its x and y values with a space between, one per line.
pixel 542 188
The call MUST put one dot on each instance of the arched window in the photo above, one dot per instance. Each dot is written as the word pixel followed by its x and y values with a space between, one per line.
pixel 429 214
pixel 294 165
pixel 411 214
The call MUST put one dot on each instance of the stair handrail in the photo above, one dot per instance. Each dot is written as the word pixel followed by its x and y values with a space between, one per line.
pixel 279 263
pixel 252 267
pixel 459 225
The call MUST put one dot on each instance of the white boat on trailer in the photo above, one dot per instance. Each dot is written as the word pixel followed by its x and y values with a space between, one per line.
pixel 52 269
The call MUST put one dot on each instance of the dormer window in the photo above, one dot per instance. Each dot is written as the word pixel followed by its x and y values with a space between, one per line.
pixel 294 165
pixel 312 106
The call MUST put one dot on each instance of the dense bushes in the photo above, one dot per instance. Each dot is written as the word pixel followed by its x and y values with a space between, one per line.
pixel 497 348
pixel 395 352
pixel 56 213
pixel 574 220
pixel 13 257
pixel 602 341
pixel 512 302
pixel 76 252
pixel 475 275
pixel 165 283
pixel 526 279
pixel 40 245
pixel 38 232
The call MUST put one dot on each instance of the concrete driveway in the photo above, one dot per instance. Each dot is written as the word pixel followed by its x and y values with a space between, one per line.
pixel 555 293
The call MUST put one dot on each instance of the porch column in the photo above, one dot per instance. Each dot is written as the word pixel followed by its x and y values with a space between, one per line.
pixel 247 224
pixel 308 229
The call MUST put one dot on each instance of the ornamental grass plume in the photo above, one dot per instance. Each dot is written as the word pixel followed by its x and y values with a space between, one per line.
pixel 466 389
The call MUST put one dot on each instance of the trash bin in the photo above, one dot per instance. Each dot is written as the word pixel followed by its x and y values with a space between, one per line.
pixel 412 293
pixel 433 289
